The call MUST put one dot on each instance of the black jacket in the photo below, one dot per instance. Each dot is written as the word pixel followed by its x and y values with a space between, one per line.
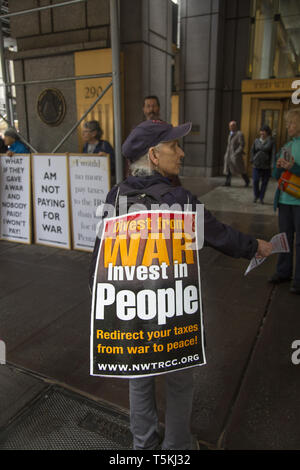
pixel 262 153
pixel 104 146
pixel 3 147
pixel 217 235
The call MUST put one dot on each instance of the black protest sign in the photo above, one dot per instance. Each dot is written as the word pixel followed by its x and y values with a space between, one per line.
pixel 146 316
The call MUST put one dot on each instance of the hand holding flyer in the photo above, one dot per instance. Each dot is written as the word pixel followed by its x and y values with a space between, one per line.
pixel 279 245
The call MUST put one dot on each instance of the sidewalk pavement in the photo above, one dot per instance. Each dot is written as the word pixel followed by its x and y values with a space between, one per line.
pixel 246 397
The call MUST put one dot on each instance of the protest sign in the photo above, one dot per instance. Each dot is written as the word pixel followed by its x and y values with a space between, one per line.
pixel 146 316
pixel 51 200
pixel 15 190
pixel 89 184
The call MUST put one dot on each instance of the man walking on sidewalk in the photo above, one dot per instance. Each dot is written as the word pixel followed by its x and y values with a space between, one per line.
pixel 233 159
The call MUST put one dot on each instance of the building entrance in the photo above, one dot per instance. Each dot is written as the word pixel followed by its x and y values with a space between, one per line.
pixel 270 113
pixel 265 102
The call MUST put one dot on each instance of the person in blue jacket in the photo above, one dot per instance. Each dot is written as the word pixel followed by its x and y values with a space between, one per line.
pixel 289 206
pixel 91 135
pixel 13 142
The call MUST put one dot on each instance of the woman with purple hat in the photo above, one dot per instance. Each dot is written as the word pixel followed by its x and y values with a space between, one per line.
pixel 155 156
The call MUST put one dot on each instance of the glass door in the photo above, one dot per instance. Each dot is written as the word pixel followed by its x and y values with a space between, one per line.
pixel 270 113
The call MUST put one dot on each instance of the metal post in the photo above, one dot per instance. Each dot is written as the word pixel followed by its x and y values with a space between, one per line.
pixel 115 45
pixel 59 80
pixel 4 76
pixel 82 118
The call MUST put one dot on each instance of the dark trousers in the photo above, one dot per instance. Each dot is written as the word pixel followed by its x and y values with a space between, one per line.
pixel 289 222
pixel 229 175
pixel 260 182
pixel 144 422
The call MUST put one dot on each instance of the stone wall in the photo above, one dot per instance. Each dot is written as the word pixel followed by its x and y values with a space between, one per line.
pixel 47 41
pixel 146 38
pixel 73 24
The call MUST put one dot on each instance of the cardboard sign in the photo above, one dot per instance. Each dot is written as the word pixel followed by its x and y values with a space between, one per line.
pixel 51 200
pixel 89 184
pixel 146 316
pixel 15 190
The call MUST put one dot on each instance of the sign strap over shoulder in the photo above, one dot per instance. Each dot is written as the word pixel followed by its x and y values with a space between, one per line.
pixel 135 195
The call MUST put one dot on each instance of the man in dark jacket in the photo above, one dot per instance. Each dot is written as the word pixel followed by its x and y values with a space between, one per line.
pixel 155 156
pixel 151 110
pixel 3 147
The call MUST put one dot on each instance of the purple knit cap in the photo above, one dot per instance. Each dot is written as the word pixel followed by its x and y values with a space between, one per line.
pixel 149 134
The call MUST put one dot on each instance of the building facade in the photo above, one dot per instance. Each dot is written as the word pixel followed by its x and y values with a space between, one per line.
pixel 235 60
pixel 239 61
pixel 74 40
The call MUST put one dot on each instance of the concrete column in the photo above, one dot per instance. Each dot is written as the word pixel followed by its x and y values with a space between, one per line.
pixel 201 27
pixel 214 50
pixel 146 40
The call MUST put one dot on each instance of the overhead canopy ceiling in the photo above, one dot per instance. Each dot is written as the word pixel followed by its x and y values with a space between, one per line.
pixel 290 15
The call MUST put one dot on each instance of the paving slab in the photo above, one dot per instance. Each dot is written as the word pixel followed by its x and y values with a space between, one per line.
pixel 239 199
pixel 4 246
pixel 13 276
pixel 231 324
pixel 33 307
pixel 57 348
pixel 266 413
pixel 68 260
pixel 45 321
pixel 25 254
pixel 16 390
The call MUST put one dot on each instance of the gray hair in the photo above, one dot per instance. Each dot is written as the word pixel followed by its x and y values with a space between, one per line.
pixel 293 113
pixel 143 166
pixel 12 133
pixel 94 126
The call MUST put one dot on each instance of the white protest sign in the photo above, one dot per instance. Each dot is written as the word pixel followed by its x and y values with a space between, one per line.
pixel 90 183
pixel 51 200
pixel 15 220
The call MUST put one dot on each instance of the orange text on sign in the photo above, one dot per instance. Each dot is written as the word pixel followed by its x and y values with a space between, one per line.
pixel 155 249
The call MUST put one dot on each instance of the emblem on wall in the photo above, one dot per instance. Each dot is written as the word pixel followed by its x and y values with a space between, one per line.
pixel 51 106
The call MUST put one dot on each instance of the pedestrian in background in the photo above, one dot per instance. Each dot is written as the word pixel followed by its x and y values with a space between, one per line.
pixel 13 142
pixel 233 159
pixel 262 155
pixel 91 135
pixel 151 107
pixel 151 110
pixel 288 160
pixel 3 147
